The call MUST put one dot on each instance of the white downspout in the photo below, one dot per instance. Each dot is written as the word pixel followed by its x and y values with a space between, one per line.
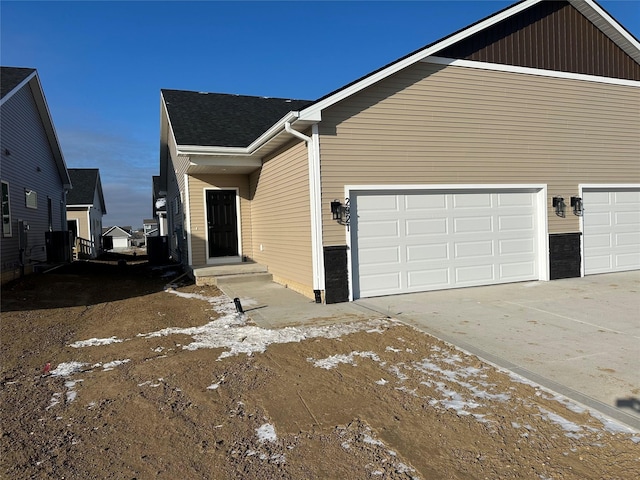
pixel 315 203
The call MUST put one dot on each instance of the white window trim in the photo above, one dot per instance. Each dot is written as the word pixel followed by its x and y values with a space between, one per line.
pixel 9 226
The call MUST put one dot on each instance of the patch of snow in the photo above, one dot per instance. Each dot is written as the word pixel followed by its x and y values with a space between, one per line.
pixel 95 342
pixel 55 400
pixel 370 440
pixel 568 426
pixel 382 381
pixel 266 433
pixel 115 363
pixel 391 349
pixel 334 360
pixel 68 368
pixel 346 445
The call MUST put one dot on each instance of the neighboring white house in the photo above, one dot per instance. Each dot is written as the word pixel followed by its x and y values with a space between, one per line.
pixel 120 238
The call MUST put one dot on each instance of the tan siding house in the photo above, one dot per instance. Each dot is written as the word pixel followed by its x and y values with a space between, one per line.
pixel 505 152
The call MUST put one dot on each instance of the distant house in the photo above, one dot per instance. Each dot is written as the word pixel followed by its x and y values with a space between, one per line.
pixel 119 238
pixel 85 209
pixel 34 177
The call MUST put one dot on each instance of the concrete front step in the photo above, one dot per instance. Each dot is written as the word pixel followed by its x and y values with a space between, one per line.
pixel 231 273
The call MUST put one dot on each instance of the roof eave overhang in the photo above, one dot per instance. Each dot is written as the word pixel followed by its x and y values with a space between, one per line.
pixel 241 159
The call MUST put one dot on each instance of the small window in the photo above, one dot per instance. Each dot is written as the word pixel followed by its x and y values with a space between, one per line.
pixel 6 211
pixel 31 199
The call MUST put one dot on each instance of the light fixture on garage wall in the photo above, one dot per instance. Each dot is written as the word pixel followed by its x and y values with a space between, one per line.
pixel 576 203
pixel 558 204
pixel 341 212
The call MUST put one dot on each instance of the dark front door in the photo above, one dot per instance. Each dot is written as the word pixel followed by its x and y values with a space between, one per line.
pixel 222 223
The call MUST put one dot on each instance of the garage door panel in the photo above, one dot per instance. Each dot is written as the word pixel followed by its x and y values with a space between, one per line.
pixel 516 223
pixel 517 271
pixel 627 261
pixel 377 204
pixel 473 224
pixel 381 284
pixel 627 198
pixel 425 202
pixel 428 279
pixel 380 229
pixel 474 274
pixel 627 218
pixel 515 200
pixel 426 226
pixel 630 239
pixel 473 249
pixel 437 252
pixel 446 240
pixel 472 201
pixel 611 229
pixel 379 256
pixel 516 246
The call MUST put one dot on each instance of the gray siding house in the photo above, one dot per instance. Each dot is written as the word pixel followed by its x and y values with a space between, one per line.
pixel 33 176
pixel 504 152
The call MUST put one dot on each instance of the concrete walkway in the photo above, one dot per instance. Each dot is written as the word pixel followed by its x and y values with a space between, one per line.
pixel 579 337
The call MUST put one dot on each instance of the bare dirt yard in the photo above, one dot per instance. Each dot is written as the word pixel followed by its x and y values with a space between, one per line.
pixel 128 372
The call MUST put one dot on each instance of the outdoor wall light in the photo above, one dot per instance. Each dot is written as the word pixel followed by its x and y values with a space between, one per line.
pixel 558 204
pixel 341 212
pixel 576 203
pixel 336 208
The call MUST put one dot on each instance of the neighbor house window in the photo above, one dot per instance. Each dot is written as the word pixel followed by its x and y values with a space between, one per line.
pixel 31 199
pixel 6 211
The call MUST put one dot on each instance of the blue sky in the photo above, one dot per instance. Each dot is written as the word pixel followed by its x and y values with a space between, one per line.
pixel 102 64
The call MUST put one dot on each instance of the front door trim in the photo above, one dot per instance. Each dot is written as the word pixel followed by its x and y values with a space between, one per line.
pixel 230 259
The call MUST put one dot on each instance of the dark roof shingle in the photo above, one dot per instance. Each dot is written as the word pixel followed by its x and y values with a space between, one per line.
pixel 85 181
pixel 11 77
pixel 223 120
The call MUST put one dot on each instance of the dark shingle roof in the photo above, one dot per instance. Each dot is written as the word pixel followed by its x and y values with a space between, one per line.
pixel 85 181
pixel 10 78
pixel 223 120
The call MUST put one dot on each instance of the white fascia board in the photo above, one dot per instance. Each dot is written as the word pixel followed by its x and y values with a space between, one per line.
pixel 529 71
pixel 17 87
pixel 79 205
pixel 610 27
pixel 224 161
pixel 315 109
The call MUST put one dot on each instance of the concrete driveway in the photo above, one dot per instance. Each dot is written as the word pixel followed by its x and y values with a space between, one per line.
pixel 579 337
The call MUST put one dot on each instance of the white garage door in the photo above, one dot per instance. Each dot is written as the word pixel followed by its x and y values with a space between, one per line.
pixel 611 229
pixel 416 241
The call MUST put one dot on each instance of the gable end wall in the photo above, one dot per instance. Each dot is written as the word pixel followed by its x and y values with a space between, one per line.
pixel 552 35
